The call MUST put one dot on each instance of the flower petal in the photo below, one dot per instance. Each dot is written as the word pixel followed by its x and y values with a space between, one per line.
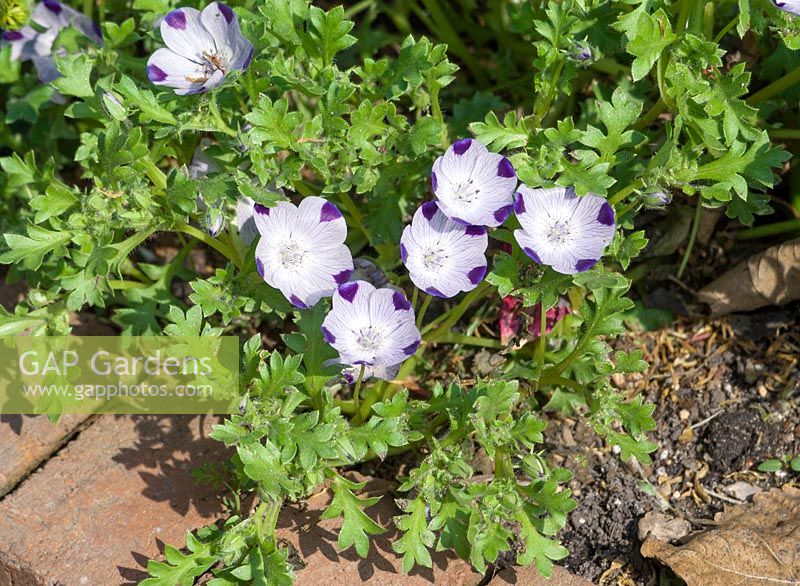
pixel 165 67
pixel 220 21
pixel 184 33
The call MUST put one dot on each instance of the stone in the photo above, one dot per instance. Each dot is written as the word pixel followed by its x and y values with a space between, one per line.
pixel 108 501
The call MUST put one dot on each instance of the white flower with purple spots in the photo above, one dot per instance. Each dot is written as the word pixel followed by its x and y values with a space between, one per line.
pixel 369 326
pixel 36 45
pixel 202 48
pixel 792 6
pixel 443 257
pixel 301 251
pixel 562 230
pixel 474 186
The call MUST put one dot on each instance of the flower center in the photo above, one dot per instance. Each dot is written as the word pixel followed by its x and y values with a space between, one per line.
pixel 212 62
pixel 466 192
pixel 434 257
pixel 369 339
pixel 558 233
pixel 291 255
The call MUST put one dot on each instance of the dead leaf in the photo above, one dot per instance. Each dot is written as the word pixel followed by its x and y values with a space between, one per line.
pixel 741 490
pixel 663 527
pixel 753 544
pixel 771 277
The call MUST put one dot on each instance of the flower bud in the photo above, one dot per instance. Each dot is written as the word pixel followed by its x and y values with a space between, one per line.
pixel 656 200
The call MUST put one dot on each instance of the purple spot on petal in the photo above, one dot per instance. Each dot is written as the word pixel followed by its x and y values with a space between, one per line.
pixel 176 19
pixel 429 209
pixel 606 215
pixel 519 204
pixel 434 182
pixel 460 221
pixel 532 253
pixel 155 73
pixel 342 277
pixel 505 169
pixel 585 264
pixel 403 253
pixel 97 30
pixel 411 348
pixel 11 36
pixel 476 275
pixel 249 58
pixel 226 11
pixel 53 6
pixel 503 213
pixel 348 291
pixel 329 213
pixel 361 362
pixel 329 338
pixel 475 230
pixel 260 267
pixel 435 292
pixel 297 302
pixel 259 209
pixel 400 302
pixel 462 146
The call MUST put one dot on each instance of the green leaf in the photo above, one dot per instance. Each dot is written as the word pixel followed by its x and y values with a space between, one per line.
pixel 651 36
pixel 145 101
pixel 771 465
pixel 76 71
pixel 328 32
pixel 179 568
pixel 356 524
pixel 417 537
pixel 262 463
pixel 538 548
pixel 511 134
pixel 30 250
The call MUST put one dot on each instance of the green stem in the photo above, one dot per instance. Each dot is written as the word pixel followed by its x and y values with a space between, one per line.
pixel 785 133
pixel 454 42
pixel 356 8
pixel 454 338
pixel 423 309
pixel 726 29
pixel 414 298
pixel 625 192
pixel 209 240
pixel 708 20
pixel 541 344
pixel 357 390
pixel 776 87
pixel 155 174
pixel 540 110
pixel 445 321
pixel 222 126
pixel 88 9
pixel 651 115
pixel 769 230
pixel 683 15
pixel 119 285
pixel 692 237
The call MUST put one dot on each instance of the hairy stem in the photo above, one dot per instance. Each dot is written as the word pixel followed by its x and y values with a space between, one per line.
pixel 692 237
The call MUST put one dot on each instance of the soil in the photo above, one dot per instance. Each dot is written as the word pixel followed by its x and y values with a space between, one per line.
pixel 724 404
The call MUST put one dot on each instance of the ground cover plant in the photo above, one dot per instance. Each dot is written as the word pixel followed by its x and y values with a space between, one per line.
pixel 374 181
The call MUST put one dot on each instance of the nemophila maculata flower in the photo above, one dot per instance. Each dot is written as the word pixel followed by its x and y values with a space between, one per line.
pixel 443 257
pixel 561 230
pixel 369 326
pixel 473 185
pixel 36 44
pixel 202 48
pixel 792 6
pixel 301 251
